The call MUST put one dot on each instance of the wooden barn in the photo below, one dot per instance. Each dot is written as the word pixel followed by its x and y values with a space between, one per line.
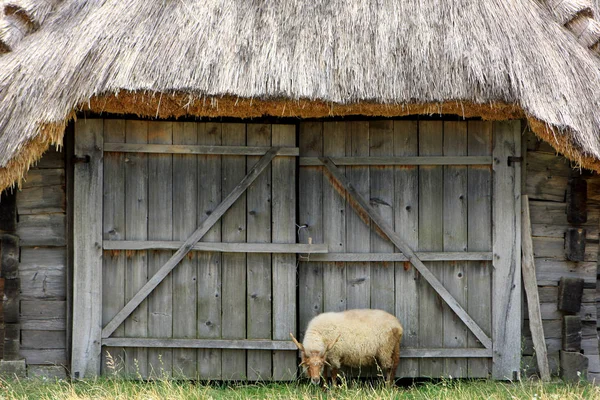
pixel 186 183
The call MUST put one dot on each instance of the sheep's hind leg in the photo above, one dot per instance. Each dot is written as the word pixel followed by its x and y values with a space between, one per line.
pixel 334 372
pixel 395 361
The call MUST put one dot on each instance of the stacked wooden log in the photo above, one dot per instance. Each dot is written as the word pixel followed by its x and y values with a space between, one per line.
pixel 573 364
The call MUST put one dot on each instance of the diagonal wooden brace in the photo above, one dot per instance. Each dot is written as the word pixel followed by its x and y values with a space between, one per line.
pixel 408 252
pixel 190 242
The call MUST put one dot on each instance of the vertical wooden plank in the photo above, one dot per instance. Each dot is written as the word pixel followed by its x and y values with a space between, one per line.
pixel 259 265
pixel 310 274
pixel 431 236
pixel 455 239
pixel 136 228
pixel 185 208
pixel 334 221
pixel 381 143
pixel 479 238
pixel 209 263
pixel 406 223
pixel 506 233
pixel 160 227
pixel 358 231
pixel 113 227
pixel 234 272
pixel 284 265
pixel 87 271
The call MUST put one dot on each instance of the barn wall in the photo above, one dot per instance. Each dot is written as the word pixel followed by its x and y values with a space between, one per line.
pixel 41 208
pixel 546 183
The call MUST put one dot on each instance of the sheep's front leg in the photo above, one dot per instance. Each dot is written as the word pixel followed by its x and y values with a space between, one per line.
pixel 325 374
pixel 334 372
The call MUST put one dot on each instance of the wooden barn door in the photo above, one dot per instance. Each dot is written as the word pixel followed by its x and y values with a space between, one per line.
pixel 447 190
pixel 146 194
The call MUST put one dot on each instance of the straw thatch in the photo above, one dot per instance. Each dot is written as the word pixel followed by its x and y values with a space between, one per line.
pixel 493 58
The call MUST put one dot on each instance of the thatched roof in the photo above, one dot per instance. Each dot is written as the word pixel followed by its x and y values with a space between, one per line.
pixel 497 59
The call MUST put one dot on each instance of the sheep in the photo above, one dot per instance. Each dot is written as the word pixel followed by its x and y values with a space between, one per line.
pixel 353 338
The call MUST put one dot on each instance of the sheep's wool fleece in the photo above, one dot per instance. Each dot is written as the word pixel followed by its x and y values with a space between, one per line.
pixel 364 336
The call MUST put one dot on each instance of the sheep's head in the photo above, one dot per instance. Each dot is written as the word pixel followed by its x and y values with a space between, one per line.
pixel 313 362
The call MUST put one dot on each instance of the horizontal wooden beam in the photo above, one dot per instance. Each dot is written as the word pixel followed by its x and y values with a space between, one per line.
pixel 194 149
pixel 432 160
pixel 259 344
pixel 216 246
pixel 395 257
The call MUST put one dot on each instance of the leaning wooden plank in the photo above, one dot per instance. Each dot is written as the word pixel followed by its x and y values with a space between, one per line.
pixel 398 257
pixel 310 214
pixel 259 274
pixel 196 149
pixel 209 262
pixel 87 266
pixel 381 143
pixel 226 247
pixel 455 239
pixel 334 222
pixel 189 244
pixel 233 226
pixel 136 228
pixel 431 238
pixel 113 228
pixel 533 301
pixel 506 284
pixel 414 260
pixel 406 220
pixel 185 207
pixel 479 238
pixel 420 160
pixel 284 265
pixel 160 227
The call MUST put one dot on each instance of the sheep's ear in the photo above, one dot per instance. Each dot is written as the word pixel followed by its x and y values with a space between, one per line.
pixel 298 344
pixel 333 343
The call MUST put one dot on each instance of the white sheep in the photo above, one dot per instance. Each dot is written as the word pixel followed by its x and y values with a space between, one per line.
pixel 354 338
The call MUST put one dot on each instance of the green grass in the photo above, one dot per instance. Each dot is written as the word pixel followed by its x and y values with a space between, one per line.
pixel 165 389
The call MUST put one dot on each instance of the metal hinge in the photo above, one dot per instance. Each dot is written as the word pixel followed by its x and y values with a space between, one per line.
pixel 513 159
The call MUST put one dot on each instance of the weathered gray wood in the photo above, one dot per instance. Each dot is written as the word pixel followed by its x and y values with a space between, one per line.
pixel 186 247
pixel 136 228
pixel 445 353
pixel 551 213
pixel 42 229
pixel 52 158
pixel 113 228
pixel 381 144
pixel 46 372
pixel 221 247
pixel 234 229
pixel 43 339
pixel 87 266
pixel 45 356
pixel 577 200
pixel 9 252
pixel 358 230
pixel 209 263
pixel 12 342
pixel 40 309
pixel 240 344
pixel 284 265
pixel 570 292
pixel 185 208
pixel 406 222
pixel 334 222
pixel 455 274
pixel 364 204
pixel 571 333
pixel 389 160
pixel 58 324
pixel 549 294
pixel 11 300
pixel 533 302
pixel 550 311
pixel 506 284
pixel 44 177
pixel 310 205
pixel 551 271
pixel 8 211
pixel 42 200
pixel 554 248
pixel 214 150
pixel 573 366
pixel 160 227
pixel 259 274
pixel 431 239
pixel 575 244
pixel 399 257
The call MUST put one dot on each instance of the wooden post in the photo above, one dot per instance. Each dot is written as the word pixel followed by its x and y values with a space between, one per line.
pixel 87 265
pixel 533 300
pixel 506 233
